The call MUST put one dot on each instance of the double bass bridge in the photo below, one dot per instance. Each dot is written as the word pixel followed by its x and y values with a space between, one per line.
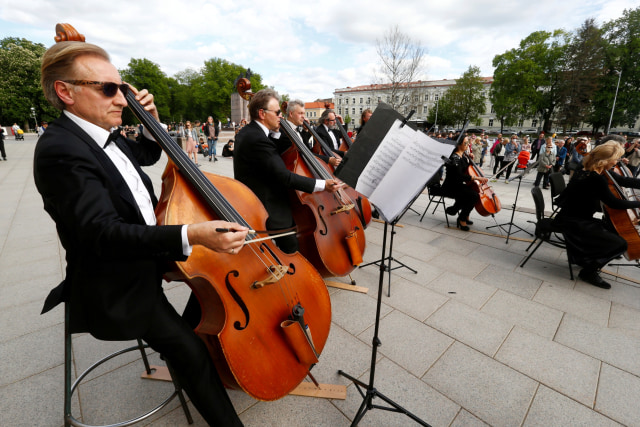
pixel 343 208
pixel 276 272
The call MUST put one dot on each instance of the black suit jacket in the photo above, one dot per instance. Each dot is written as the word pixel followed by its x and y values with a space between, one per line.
pixel 114 260
pixel 257 164
pixel 322 133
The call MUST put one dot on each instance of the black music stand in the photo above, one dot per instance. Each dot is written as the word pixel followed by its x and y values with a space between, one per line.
pixel 385 262
pixel 371 392
pixel 511 224
pixel 390 258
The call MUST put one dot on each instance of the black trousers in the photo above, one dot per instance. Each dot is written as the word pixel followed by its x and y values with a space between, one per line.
pixel 2 152
pixel 171 336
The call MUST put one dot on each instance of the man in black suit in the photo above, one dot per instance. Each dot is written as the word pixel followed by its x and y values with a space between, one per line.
pixel 328 132
pixel 103 204
pixel 257 164
pixel 296 117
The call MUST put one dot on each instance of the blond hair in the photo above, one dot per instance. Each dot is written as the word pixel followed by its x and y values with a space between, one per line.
pixel 602 154
pixel 58 64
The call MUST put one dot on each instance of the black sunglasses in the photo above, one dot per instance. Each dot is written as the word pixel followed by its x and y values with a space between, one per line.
pixel 109 89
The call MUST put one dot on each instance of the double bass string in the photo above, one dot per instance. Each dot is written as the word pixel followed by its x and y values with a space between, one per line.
pixel 311 161
pixel 208 191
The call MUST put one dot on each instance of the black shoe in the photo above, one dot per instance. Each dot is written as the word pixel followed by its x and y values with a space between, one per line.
pixel 469 222
pixel 451 210
pixel 215 159
pixel 209 158
pixel 460 226
pixel 592 277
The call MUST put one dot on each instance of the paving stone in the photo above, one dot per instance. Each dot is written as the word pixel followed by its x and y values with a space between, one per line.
pixel 452 262
pixel 414 300
pixel 493 392
pixel 618 395
pixel 510 281
pixel 478 330
pixel 610 346
pixel 462 289
pixel 408 342
pixel 593 309
pixel 554 365
pixel 530 315
pixel 551 408
pixel 625 319
pixel 405 390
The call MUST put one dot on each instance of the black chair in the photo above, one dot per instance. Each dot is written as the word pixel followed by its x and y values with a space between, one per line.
pixel 436 195
pixel 545 230
pixel 69 388
pixel 558 185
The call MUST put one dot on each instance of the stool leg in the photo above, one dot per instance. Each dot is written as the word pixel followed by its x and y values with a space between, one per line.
pixel 67 366
pixel 178 388
pixel 147 367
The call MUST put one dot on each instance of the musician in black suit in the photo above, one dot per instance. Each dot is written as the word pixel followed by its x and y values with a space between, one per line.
pixel 296 118
pixel 257 164
pixel 103 204
pixel 328 132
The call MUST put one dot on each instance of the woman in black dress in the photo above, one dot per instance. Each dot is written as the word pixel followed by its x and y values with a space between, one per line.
pixel 455 184
pixel 592 242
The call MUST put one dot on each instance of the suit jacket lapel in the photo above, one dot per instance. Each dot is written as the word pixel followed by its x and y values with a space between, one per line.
pixel 109 168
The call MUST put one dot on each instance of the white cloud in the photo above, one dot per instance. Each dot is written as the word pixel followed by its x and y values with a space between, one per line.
pixel 309 48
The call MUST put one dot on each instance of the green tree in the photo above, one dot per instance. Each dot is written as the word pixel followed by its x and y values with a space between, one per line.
pixel 584 63
pixel 20 88
pixel 526 78
pixel 213 91
pixel 145 74
pixel 466 96
pixel 622 55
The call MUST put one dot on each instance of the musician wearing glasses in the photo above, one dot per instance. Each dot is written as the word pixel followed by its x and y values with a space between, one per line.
pixel 328 132
pixel 296 118
pixel 257 164
pixel 93 187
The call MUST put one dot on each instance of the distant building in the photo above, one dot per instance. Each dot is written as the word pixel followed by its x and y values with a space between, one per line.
pixel 423 97
pixel 313 110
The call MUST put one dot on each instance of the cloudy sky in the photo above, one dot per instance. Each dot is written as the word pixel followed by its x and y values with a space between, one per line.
pixel 304 49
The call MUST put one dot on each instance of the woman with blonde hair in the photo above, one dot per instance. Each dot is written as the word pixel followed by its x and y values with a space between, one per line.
pixel 592 242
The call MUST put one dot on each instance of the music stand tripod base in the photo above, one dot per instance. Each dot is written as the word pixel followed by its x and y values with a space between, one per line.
pixel 371 392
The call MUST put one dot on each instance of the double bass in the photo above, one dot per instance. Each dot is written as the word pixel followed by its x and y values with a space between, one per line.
pixel 625 221
pixel 265 314
pixel 330 234
pixel 363 207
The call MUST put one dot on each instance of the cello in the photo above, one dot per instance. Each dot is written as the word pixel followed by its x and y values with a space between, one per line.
pixel 625 221
pixel 330 234
pixel 488 204
pixel 259 306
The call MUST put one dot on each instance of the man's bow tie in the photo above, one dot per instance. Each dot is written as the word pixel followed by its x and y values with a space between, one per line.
pixel 299 129
pixel 113 136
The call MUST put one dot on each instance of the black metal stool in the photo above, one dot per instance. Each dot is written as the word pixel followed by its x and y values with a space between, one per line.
pixel 69 389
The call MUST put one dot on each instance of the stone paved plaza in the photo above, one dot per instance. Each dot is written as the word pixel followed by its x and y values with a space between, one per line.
pixel 472 339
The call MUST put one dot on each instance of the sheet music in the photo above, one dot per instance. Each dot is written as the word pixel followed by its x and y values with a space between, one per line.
pixel 400 168
pixel 388 151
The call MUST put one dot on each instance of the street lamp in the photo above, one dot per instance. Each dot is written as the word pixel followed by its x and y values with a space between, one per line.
pixel 435 124
pixel 33 114
pixel 613 107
